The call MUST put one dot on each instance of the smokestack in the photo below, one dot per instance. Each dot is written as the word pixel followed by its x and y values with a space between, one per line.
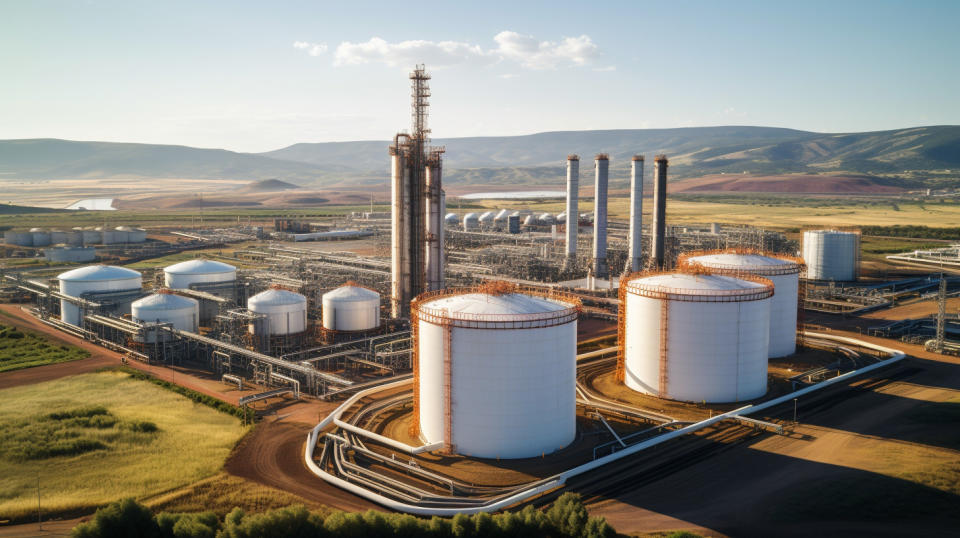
pixel 399 224
pixel 659 226
pixel 433 244
pixel 601 175
pixel 636 214
pixel 573 210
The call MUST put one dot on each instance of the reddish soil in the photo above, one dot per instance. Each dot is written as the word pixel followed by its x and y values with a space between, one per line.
pixel 792 183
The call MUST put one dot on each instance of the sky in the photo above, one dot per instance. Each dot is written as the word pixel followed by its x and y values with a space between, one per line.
pixel 258 76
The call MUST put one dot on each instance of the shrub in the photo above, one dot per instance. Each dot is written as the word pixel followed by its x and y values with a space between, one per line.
pixel 119 520
pixel 144 426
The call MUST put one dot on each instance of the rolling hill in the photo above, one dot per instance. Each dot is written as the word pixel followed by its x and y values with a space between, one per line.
pixel 914 155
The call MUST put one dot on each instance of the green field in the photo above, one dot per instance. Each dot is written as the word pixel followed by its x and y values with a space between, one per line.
pixel 95 438
pixel 25 349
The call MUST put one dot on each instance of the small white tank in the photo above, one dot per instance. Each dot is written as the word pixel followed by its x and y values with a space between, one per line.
pixel 546 219
pixel 92 236
pixel 132 235
pixel 121 234
pixel 696 337
pixel 181 276
pixel 286 311
pixel 508 387
pixel 530 220
pixel 58 237
pixel 486 219
pixel 831 255
pixel 785 275
pixel 562 218
pixel 165 307
pixel 451 219
pixel 95 278
pixel 107 236
pixel 351 308
pixel 471 221
pixel 39 237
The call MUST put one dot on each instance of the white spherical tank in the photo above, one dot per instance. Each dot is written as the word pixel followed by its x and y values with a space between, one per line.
pixel 696 337
pixel 351 308
pixel 164 307
pixel 286 311
pixel 785 275
pixel 95 278
pixel 831 254
pixel 508 362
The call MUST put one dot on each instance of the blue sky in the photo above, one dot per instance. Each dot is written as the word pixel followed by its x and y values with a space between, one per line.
pixel 256 76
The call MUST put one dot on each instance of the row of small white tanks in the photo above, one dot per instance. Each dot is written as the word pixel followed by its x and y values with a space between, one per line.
pixel 100 235
pixel 501 220
pixel 496 370
pixel 347 308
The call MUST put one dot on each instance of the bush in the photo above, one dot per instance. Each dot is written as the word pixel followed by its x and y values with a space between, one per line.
pixel 144 426
pixel 119 520
pixel 82 412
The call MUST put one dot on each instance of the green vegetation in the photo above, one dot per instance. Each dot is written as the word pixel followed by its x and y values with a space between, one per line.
pixel 920 232
pixel 94 438
pixel 197 397
pixel 567 517
pixel 25 349
pixel 222 493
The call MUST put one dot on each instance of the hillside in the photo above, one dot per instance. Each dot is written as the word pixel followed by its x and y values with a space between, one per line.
pixel 922 155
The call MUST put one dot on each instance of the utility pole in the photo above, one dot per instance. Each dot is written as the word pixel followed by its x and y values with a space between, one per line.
pixel 39 520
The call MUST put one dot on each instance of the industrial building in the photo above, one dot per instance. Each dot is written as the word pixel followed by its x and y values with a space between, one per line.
pixel 695 337
pixel 495 371
pixel 782 270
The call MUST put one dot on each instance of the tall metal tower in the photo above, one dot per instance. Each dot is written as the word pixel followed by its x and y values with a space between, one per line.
pixel 418 204
pixel 941 314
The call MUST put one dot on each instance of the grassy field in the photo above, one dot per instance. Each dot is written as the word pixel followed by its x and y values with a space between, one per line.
pixel 222 493
pixel 86 456
pixel 25 349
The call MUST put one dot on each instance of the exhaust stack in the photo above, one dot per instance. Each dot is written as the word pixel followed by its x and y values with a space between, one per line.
pixel 601 176
pixel 573 210
pixel 634 261
pixel 658 228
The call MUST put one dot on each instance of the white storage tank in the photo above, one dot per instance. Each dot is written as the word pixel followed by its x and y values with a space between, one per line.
pixel 562 218
pixel 107 236
pixel 351 308
pixel 471 221
pixel 286 310
pixel 696 337
pixel 121 234
pixel 183 275
pixel 785 275
pixel 831 255
pixel 500 220
pixel 451 219
pixel 58 237
pixel 20 239
pixel 75 238
pixel 137 235
pixel 70 254
pixel 546 219
pixel 486 219
pixel 530 220
pixel 511 372
pixel 164 307
pixel 95 278
pixel 39 237
pixel 91 236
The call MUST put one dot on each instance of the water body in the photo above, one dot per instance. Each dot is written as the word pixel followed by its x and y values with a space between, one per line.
pixel 515 195
pixel 94 204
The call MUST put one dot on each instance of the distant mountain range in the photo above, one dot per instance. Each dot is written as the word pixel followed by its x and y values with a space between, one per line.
pixel 916 154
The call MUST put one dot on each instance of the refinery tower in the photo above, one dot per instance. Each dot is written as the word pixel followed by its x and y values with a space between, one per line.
pixel 418 205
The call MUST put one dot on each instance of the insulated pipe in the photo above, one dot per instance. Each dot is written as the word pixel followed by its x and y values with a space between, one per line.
pixel 573 211
pixel 636 214
pixel 658 227
pixel 601 176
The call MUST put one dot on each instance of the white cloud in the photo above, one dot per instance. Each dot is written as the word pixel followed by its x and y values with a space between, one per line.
pixel 313 49
pixel 522 49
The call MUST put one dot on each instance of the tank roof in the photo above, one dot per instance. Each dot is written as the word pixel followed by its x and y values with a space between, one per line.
pixel 165 300
pixel 756 263
pixel 838 232
pixel 99 272
pixel 701 287
pixel 277 296
pixel 199 266
pixel 349 292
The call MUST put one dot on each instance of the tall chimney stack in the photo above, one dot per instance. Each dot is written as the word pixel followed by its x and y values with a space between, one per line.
pixel 573 210
pixel 601 175
pixel 659 226
pixel 636 214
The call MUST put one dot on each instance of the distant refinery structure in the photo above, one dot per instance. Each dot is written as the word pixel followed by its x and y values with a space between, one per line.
pixel 417 205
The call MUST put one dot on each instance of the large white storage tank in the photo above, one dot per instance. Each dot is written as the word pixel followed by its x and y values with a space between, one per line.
pixel 108 236
pixel 40 237
pixel 91 236
pixel 286 311
pixel 486 219
pixel 209 275
pixel 95 278
pixel 164 307
pixel 351 308
pixel 696 337
pixel 471 221
pixel 831 254
pixel 782 271
pixel 508 362
pixel 58 237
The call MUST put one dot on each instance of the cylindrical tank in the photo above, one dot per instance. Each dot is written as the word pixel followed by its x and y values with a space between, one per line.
pixel 58 237
pixel 107 236
pixel 562 218
pixel 20 239
pixel 95 278
pixel 531 220
pixel 164 307
pixel 701 338
pixel 500 220
pixel 785 275
pixel 75 238
pixel 507 389
pixel 122 234
pixel 831 254
pixel 546 219
pixel 207 275
pixel 451 219
pixel 39 237
pixel 471 221
pixel 351 308
pixel 137 235
pixel 286 310
pixel 91 236
pixel 486 219
pixel 70 254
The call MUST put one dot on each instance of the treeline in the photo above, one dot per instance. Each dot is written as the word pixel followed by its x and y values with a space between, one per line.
pixel 567 517
pixel 919 232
